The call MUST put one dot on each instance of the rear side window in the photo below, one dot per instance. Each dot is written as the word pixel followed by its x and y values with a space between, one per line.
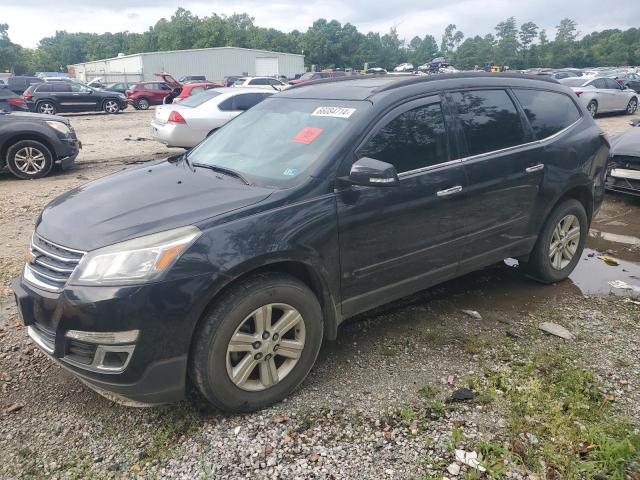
pixel 60 87
pixel 599 83
pixel 414 139
pixel 548 112
pixel 489 119
pixel 246 101
pixel 43 88
pixel 259 81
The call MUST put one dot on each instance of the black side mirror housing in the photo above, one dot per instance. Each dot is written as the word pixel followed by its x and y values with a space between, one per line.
pixel 373 173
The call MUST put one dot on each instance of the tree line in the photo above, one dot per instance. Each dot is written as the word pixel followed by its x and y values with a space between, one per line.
pixel 330 44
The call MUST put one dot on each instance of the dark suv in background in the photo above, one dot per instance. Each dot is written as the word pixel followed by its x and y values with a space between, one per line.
pixel 58 97
pixel 231 263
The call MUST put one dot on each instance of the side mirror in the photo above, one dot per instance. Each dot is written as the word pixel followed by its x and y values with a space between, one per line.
pixel 373 173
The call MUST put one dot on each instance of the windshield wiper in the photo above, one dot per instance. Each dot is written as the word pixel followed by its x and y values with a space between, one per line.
pixel 224 170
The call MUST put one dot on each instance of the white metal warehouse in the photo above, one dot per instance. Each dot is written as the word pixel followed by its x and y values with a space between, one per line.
pixel 214 63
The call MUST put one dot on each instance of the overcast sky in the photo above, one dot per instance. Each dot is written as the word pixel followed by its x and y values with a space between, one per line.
pixel 31 20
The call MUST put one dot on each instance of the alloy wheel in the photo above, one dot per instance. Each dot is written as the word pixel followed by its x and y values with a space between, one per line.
pixel 632 107
pixel 30 160
pixel 564 242
pixel 265 347
pixel 111 106
pixel 47 109
pixel 593 109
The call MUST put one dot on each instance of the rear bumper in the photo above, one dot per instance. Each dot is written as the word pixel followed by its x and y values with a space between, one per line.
pixel 175 135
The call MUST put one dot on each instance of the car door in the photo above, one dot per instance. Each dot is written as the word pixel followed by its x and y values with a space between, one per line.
pixel 84 98
pixel 401 239
pixel 618 98
pixel 604 96
pixel 503 169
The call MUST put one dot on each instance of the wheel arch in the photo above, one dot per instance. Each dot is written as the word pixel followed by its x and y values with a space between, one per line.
pixel 36 137
pixel 583 194
pixel 301 270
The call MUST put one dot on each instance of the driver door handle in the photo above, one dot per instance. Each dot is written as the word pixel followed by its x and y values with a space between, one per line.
pixel 535 168
pixel 449 191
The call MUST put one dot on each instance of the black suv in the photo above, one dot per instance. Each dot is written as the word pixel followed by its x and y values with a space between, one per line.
pixel 31 143
pixel 59 96
pixel 231 263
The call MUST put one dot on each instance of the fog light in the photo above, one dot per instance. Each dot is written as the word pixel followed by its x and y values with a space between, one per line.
pixel 104 338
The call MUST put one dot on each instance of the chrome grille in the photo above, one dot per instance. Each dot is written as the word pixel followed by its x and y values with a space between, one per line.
pixel 50 265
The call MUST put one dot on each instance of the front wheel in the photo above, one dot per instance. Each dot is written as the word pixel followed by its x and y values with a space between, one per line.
pixel 257 343
pixel 632 106
pixel 560 243
pixel 111 106
pixel 28 159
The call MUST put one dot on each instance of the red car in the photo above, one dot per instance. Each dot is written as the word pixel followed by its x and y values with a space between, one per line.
pixel 144 94
pixel 189 89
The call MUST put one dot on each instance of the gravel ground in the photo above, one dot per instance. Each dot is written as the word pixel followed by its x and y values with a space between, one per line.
pixel 376 404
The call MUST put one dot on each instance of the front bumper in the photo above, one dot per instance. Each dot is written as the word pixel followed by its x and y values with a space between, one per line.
pixel 152 369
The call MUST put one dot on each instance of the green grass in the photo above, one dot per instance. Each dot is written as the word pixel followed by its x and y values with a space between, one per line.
pixel 563 407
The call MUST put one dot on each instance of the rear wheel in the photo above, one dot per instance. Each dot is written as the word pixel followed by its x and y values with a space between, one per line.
pixel 47 108
pixel 560 243
pixel 142 103
pixel 257 343
pixel 111 106
pixel 593 108
pixel 632 106
pixel 29 159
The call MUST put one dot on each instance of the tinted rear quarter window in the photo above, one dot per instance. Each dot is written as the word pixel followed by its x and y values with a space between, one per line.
pixel 489 119
pixel 548 112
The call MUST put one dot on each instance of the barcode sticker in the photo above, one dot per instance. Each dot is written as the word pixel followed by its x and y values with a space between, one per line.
pixel 336 112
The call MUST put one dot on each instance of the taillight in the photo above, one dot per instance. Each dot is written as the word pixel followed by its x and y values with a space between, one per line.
pixel 605 139
pixel 18 102
pixel 27 95
pixel 175 117
pixel 578 93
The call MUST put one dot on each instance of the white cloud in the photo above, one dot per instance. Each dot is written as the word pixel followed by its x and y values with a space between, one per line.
pixel 28 24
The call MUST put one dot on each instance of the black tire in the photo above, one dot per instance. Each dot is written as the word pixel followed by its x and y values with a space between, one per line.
pixel 592 107
pixel 632 106
pixel 208 358
pixel 212 132
pixel 142 103
pixel 47 108
pixel 37 151
pixel 539 265
pixel 110 106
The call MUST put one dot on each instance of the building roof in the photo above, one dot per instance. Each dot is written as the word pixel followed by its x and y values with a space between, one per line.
pixel 186 50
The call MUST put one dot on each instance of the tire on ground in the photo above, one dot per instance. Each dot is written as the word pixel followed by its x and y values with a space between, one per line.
pixel 12 161
pixel 208 356
pixel 539 264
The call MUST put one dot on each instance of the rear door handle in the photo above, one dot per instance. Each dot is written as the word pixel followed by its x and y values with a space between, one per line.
pixel 449 191
pixel 535 168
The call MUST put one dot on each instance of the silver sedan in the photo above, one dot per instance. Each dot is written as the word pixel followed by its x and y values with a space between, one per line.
pixel 189 122
pixel 602 95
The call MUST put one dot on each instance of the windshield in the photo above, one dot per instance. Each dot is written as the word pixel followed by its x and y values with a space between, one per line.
pixel 308 76
pixel 278 140
pixel 199 98
pixel 573 82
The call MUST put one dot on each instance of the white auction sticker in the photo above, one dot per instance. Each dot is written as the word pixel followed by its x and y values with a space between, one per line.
pixel 337 112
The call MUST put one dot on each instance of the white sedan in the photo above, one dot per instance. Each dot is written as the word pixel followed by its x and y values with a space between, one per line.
pixel 189 122
pixel 260 82
pixel 603 94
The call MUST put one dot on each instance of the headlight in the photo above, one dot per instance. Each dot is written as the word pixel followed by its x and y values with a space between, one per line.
pixel 139 260
pixel 59 126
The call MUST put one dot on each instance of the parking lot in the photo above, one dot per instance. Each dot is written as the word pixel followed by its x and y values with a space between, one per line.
pixel 375 405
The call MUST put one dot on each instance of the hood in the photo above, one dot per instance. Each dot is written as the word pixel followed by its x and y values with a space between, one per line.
pixel 168 79
pixel 627 144
pixel 38 116
pixel 138 202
